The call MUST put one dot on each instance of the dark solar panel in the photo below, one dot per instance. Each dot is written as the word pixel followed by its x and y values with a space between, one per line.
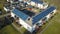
pixel 29 13
pixel 20 14
pixel 43 14
pixel 38 1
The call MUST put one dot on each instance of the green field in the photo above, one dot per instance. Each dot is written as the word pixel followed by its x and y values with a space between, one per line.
pixel 54 28
pixel 9 30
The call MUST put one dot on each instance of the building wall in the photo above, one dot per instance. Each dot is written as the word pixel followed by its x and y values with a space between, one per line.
pixel 20 0
pixel 8 0
pixel 23 23
pixel 45 6
pixel 28 27
pixel 32 3
pixel 48 16
pixel 6 9
pixel 54 11
pixel 12 14
pixel 40 6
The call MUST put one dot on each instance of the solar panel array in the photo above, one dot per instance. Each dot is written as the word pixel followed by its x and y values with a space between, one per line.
pixel 42 14
pixel 29 13
pixel 37 1
pixel 20 14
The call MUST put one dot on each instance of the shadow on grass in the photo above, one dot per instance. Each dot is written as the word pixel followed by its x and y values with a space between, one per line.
pixel 27 32
pixel 5 22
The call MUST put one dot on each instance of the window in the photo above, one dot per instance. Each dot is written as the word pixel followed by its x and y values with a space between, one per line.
pixel 51 12
pixel 12 19
pixel 8 12
pixel 15 16
pixel 28 27
pixel 28 18
pixel 44 18
pixel 37 23
pixel 43 4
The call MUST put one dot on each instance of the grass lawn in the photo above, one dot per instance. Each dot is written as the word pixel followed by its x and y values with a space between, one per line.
pixel 23 29
pixel 9 30
pixel 1 6
pixel 54 2
pixel 54 28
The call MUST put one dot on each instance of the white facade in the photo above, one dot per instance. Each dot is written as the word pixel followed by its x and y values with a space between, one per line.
pixel 23 23
pixel 28 27
pixel 10 1
pixel 54 11
pixel 49 15
pixel 40 6
pixel 32 3
pixel 6 9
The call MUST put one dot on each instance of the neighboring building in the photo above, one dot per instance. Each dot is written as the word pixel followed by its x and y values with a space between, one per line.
pixel 28 21
pixel 7 7
pixel 39 4
pixel 12 1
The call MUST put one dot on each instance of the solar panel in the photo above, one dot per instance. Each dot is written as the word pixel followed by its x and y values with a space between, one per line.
pixel 38 1
pixel 43 14
pixel 20 14
pixel 29 13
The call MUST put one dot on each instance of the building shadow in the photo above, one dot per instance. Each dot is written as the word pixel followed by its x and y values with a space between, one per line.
pixel 35 31
pixel 5 22
pixel 27 32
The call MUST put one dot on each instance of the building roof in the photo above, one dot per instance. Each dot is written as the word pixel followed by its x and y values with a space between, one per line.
pixel 24 16
pixel 20 14
pixel 29 13
pixel 37 1
pixel 42 14
pixel 14 0
pixel 25 11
